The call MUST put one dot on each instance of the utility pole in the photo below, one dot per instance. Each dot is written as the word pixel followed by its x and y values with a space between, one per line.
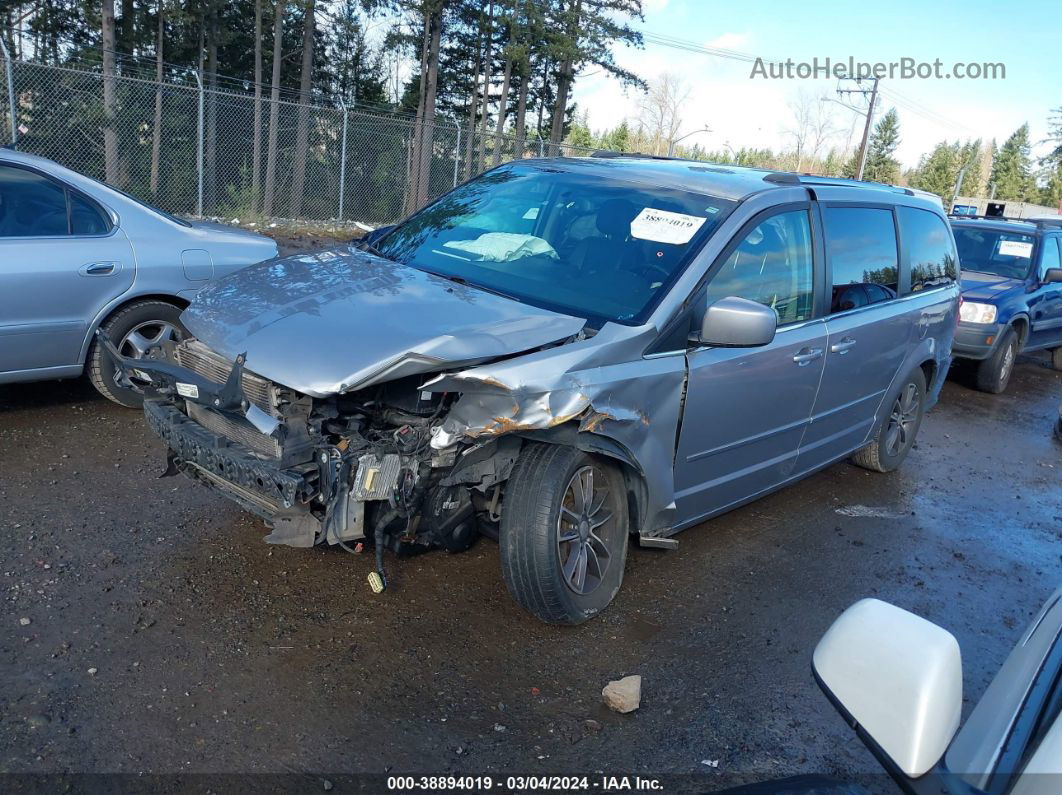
pixel 873 93
pixel 958 186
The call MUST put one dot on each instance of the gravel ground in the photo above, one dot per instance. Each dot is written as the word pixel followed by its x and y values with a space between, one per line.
pixel 164 637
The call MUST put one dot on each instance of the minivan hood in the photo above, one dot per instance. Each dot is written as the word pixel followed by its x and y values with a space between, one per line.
pixel 344 319
pixel 988 287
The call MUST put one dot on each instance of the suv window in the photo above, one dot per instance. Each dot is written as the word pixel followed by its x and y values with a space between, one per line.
pixel 930 249
pixel 772 265
pixel 1050 258
pixel 31 205
pixel 861 248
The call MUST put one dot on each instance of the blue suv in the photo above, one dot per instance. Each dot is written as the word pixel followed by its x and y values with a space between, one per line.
pixel 1011 292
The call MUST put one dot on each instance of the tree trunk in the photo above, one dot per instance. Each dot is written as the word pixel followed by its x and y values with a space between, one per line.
pixel 274 108
pixel 110 134
pixel 156 138
pixel 427 136
pixel 521 115
pixel 473 109
pixel 256 127
pixel 503 108
pixel 560 106
pixel 302 141
pixel 488 69
pixel 128 27
pixel 210 133
pixel 564 84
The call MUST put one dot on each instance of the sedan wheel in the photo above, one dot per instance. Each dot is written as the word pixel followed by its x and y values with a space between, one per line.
pixel 134 329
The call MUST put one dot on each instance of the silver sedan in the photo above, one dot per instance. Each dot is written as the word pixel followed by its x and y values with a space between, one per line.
pixel 77 255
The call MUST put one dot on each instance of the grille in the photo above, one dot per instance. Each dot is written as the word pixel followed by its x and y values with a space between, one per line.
pixel 239 431
pixel 198 358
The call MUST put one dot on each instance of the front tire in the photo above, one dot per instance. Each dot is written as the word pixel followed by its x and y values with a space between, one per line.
pixel 1056 359
pixel 564 533
pixel 133 329
pixel 993 374
pixel 897 433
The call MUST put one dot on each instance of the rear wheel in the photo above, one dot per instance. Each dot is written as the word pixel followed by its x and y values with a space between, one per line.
pixel 993 374
pixel 1056 358
pixel 564 532
pixel 133 329
pixel 897 433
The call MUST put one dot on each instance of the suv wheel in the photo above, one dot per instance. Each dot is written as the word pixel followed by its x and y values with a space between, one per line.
pixel 898 431
pixel 563 533
pixel 1056 358
pixel 133 330
pixel 993 374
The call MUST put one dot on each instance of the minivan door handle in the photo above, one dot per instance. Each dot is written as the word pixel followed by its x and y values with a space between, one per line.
pixel 806 356
pixel 98 269
pixel 842 346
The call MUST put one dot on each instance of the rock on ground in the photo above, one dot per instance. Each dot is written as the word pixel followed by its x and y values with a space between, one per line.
pixel 623 695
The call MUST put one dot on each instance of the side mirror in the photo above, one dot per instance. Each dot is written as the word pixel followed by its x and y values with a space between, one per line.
pixel 897 678
pixel 1053 275
pixel 734 322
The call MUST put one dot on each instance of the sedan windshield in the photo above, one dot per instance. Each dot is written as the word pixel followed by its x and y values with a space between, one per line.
pixel 582 244
pixel 1006 254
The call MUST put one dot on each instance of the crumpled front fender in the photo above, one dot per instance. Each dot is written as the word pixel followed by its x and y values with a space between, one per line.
pixel 636 403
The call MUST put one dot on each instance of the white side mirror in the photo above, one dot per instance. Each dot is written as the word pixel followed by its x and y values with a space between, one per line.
pixel 898 676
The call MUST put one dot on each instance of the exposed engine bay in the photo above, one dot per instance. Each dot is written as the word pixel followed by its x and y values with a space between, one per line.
pixel 333 470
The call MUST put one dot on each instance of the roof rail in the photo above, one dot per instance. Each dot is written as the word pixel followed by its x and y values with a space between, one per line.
pixel 611 153
pixel 1006 219
pixel 789 178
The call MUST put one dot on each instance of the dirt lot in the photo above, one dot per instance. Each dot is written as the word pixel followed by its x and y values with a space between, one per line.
pixel 165 637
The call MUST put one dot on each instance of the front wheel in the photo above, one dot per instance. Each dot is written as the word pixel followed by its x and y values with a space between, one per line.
pixel 993 374
pixel 563 534
pixel 1056 358
pixel 897 433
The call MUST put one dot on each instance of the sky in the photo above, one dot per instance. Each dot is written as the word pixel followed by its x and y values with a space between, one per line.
pixel 745 112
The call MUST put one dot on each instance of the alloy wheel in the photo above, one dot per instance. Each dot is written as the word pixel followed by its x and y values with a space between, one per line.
pixel 586 530
pixel 902 419
pixel 144 336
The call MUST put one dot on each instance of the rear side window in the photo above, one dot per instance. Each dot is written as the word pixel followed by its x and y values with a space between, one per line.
pixel 861 249
pixel 32 205
pixel 930 249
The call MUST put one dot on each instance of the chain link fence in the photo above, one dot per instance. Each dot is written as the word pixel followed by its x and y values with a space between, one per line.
pixel 307 162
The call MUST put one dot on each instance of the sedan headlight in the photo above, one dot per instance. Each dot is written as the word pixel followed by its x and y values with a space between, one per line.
pixel 977 313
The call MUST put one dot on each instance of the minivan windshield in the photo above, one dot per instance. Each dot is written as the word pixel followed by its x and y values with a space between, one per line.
pixel 1007 254
pixel 582 244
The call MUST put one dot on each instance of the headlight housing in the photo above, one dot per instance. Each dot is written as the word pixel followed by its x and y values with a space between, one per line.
pixel 971 312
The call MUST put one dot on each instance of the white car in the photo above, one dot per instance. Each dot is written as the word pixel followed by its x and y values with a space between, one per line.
pixel 897 680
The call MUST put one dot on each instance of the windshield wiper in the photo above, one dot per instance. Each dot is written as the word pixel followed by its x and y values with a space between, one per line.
pixel 365 245
pixel 474 285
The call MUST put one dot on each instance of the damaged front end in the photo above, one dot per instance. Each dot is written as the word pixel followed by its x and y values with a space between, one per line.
pixel 335 470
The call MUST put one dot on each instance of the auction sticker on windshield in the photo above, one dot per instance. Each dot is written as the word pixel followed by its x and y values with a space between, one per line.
pixel 662 226
pixel 1015 248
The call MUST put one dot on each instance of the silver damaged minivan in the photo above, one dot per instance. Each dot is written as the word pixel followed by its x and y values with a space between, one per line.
pixel 563 354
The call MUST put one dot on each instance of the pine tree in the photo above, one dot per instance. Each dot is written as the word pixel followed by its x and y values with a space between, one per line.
pixel 1012 172
pixel 881 166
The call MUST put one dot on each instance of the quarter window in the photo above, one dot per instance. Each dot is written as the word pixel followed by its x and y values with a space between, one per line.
pixel 771 265
pixel 1050 258
pixel 861 248
pixel 930 249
